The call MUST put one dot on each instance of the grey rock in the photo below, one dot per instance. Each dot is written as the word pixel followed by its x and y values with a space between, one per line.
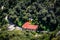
pixel 58 33
pixel 44 32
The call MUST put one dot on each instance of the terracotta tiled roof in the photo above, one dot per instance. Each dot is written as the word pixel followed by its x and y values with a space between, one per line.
pixel 27 25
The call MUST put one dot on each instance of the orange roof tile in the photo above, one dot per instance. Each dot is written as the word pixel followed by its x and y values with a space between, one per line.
pixel 27 25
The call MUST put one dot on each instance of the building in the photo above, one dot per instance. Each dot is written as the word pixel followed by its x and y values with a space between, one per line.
pixel 29 26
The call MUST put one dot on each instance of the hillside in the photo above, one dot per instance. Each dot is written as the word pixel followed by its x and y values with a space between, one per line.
pixel 45 14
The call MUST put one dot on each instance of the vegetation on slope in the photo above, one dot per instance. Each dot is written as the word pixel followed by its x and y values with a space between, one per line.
pixel 45 13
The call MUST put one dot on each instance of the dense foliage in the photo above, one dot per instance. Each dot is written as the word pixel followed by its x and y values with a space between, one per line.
pixel 45 13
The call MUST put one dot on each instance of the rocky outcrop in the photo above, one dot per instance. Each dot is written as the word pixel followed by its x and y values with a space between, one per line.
pixel 12 26
pixel 58 33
